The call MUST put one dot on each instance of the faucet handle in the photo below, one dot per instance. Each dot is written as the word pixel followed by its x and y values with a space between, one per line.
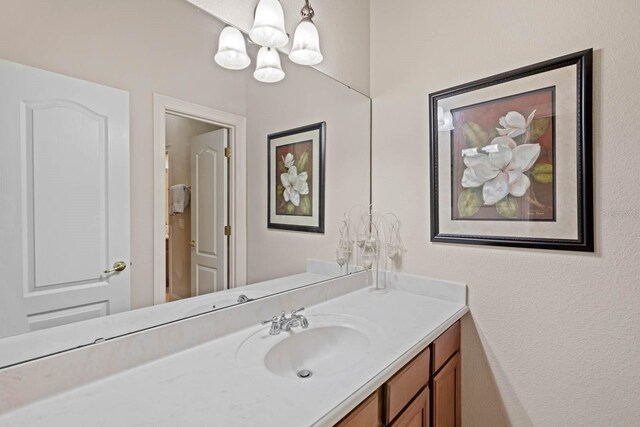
pixel 297 311
pixel 303 320
pixel 273 319
pixel 275 325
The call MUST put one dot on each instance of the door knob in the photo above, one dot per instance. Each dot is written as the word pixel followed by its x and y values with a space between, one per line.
pixel 117 266
pixel 192 243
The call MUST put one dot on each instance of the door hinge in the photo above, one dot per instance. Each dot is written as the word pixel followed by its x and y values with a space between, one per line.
pixel 227 151
pixel 227 230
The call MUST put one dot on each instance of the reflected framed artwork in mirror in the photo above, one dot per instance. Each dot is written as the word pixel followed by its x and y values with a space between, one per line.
pixel 296 179
pixel 511 158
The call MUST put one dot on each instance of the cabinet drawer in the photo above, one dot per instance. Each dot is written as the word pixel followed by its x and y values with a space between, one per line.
pixel 404 385
pixel 365 414
pixel 445 345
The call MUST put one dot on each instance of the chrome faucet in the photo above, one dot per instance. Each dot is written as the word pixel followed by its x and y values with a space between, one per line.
pixel 284 323
pixel 294 321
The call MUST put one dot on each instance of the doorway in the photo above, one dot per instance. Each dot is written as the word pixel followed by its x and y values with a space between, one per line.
pixel 199 192
pixel 196 208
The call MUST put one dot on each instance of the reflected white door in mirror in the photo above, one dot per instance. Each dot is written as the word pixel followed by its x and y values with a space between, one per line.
pixel 208 213
pixel 65 251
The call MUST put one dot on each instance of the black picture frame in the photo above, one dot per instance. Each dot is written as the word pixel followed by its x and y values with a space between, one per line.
pixel 319 175
pixel 583 61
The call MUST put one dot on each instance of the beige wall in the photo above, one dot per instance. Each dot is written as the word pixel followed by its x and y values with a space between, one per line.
pixel 343 27
pixel 142 46
pixel 304 97
pixel 553 337
pixel 179 131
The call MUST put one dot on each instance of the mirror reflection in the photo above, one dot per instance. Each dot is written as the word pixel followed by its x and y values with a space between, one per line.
pixel 138 195
pixel 196 188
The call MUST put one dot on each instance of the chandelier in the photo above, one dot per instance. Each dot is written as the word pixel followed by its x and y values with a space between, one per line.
pixel 269 33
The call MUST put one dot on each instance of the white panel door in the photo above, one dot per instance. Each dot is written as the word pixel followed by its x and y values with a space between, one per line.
pixel 64 188
pixel 208 212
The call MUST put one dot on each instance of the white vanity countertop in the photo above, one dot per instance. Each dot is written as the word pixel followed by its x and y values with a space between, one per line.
pixel 205 385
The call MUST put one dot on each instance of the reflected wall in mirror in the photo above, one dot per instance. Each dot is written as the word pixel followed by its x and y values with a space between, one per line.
pixel 104 213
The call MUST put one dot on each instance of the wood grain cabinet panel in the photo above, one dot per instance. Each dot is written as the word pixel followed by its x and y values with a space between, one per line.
pixel 404 385
pixel 446 395
pixel 366 414
pixel 417 413
pixel 445 345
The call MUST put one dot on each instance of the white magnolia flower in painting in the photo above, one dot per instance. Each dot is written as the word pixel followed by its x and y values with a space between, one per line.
pixel 294 185
pixel 288 160
pixel 500 172
pixel 514 124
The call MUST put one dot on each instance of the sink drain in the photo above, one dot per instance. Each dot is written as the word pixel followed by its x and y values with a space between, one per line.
pixel 304 373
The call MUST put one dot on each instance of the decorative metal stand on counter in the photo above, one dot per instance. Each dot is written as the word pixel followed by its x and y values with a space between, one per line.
pixel 377 240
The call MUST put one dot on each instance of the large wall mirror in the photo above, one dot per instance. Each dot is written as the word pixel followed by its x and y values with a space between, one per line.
pixel 136 175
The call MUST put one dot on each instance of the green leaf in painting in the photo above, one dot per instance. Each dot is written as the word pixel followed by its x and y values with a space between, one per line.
pixel 508 207
pixel 305 205
pixel 291 208
pixel 538 127
pixel 470 201
pixel 542 173
pixel 493 132
pixel 279 190
pixel 474 135
pixel 302 163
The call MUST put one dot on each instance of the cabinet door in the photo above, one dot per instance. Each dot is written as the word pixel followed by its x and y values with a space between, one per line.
pixel 417 413
pixel 366 414
pixel 446 395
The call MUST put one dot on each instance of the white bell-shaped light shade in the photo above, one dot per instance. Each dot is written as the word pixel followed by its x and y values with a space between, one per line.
pixel 445 120
pixel 268 68
pixel 232 50
pixel 306 44
pixel 268 25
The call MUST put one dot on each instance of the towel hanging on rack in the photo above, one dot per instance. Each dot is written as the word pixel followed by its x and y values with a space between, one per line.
pixel 179 198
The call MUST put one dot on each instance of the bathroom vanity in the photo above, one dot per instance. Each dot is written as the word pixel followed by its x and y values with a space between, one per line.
pixel 391 357
pixel 424 392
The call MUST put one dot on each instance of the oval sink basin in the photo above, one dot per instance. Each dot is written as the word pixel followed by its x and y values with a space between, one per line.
pixel 325 350
pixel 330 345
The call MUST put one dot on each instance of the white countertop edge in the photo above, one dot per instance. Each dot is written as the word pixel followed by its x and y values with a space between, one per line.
pixel 358 396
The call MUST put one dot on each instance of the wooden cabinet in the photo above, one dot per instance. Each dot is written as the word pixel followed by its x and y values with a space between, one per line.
pixel 404 385
pixel 417 413
pixel 423 393
pixel 367 414
pixel 446 403
pixel 445 346
pixel 446 394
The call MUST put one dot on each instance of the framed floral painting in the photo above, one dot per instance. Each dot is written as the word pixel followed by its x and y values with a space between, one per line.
pixel 296 179
pixel 511 158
